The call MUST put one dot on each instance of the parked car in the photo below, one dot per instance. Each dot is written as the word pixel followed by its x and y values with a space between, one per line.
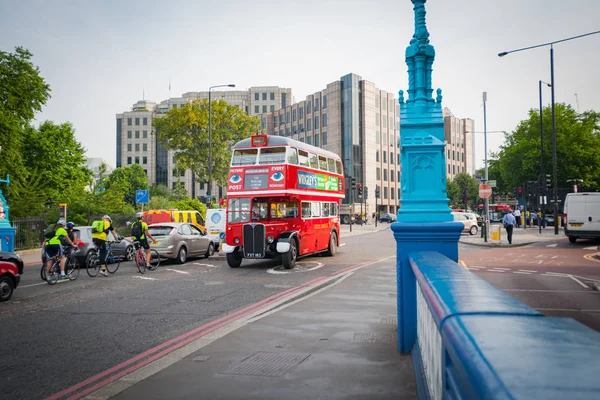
pixel 387 217
pixel 123 250
pixel 469 220
pixel 11 269
pixel 180 240
pixel 547 220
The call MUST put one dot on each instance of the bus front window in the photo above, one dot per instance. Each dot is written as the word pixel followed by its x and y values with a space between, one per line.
pixel 260 211
pixel 238 210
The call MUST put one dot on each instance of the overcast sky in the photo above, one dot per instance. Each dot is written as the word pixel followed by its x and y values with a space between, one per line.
pixel 100 56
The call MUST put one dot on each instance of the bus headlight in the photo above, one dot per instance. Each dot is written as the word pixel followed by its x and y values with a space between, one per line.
pixel 236 240
pixel 270 239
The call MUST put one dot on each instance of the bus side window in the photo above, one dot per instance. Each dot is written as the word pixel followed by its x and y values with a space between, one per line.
pixel 303 158
pixel 314 161
pixel 306 209
pixel 292 156
pixel 323 163
pixel 338 167
pixel 331 164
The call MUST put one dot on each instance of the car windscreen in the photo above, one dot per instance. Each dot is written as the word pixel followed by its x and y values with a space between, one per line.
pixel 160 230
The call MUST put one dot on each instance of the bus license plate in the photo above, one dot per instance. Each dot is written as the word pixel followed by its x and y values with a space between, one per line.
pixel 254 255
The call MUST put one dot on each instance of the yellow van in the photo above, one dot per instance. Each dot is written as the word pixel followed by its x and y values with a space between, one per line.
pixel 157 216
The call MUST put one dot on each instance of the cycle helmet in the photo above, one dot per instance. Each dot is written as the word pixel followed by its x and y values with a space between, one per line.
pixel 61 222
pixel 70 224
pixel 139 215
pixel 107 217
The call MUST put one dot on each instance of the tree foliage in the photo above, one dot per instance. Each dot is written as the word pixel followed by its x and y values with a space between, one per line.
pixel 185 130
pixel 577 149
pixel 127 180
pixel 463 191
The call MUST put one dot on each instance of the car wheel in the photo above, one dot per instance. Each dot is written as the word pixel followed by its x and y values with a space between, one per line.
pixel 345 219
pixel 129 253
pixel 210 251
pixel 572 239
pixel 473 230
pixel 7 287
pixel 182 255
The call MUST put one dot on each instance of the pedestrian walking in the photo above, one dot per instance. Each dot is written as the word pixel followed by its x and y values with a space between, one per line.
pixel 509 222
pixel 517 215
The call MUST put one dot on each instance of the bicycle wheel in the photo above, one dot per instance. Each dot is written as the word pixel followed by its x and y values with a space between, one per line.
pixel 114 266
pixel 43 272
pixel 154 260
pixel 92 267
pixel 72 268
pixel 140 261
pixel 54 273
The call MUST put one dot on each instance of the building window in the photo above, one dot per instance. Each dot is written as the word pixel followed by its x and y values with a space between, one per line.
pixel 308 140
pixel 129 160
pixel 301 113
pixel 271 108
pixel 145 121
pixel 287 117
pixel 385 122
pixel 324 134
pixel 448 154
pixel 137 147
pixel 294 115
pixel 399 194
pixel 384 105
pixel 391 139
pixel 316 139
pixel 309 124
pixel 392 194
pixel 264 109
pixel 272 95
pixel 256 96
pixel 137 160
pixel 454 169
pixel 145 147
pixel 144 160
pixel 378 173
pixel 128 146
pixel 137 134
pixel 398 158
pixel 264 96
pixel 376 119
pixel 317 122
pixel 377 156
pixel 256 108
pixel 145 134
pixel 385 175
pixel 324 120
pixel 128 134
pixel 392 176
pixel 377 137
pixel 308 107
pixel 385 192
pixel 137 122
pixel 377 100
pixel 316 105
pixel 324 101
pixel 391 158
pixel 129 121
pixel 384 157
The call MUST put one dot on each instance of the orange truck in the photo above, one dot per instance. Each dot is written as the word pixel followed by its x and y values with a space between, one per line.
pixel 157 216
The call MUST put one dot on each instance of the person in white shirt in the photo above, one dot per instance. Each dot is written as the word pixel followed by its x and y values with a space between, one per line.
pixel 509 223
pixel 517 215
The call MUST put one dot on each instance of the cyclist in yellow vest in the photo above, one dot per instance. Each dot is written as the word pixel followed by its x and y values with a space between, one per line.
pixel 54 248
pixel 99 239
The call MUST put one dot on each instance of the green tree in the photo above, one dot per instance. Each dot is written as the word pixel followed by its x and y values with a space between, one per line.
pixel 22 93
pixel 185 130
pixel 462 190
pixel 577 148
pixel 127 180
pixel 156 189
pixel 159 203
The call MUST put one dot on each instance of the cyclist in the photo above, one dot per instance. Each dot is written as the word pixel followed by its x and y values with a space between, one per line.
pixel 99 239
pixel 140 233
pixel 54 248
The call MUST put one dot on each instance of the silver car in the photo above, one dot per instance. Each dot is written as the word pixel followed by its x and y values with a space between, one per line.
pixel 180 240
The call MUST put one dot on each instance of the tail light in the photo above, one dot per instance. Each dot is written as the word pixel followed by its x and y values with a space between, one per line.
pixel 565 219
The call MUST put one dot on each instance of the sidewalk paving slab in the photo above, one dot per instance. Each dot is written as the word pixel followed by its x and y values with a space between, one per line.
pixel 338 343
pixel 521 237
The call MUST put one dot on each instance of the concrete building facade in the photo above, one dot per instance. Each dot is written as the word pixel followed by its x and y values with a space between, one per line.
pixel 460 144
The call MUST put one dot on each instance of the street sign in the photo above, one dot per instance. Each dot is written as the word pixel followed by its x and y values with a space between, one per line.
pixel 492 183
pixel 142 196
pixel 485 191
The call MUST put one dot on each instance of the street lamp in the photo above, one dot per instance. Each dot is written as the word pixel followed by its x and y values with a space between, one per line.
pixel 209 188
pixel 542 180
pixel 554 166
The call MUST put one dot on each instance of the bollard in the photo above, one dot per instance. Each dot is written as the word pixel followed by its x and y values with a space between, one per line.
pixel 496 233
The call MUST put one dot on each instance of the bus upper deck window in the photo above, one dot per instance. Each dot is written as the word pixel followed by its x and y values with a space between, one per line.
pixel 244 157
pixel 275 155
pixel 292 156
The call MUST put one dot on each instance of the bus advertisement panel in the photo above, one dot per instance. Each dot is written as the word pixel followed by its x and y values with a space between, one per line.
pixel 283 200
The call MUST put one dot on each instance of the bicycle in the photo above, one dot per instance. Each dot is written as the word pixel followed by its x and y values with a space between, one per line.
pixel 140 258
pixel 93 262
pixel 71 267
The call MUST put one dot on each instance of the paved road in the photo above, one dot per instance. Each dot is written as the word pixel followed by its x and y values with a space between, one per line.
pixel 555 277
pixel 56 336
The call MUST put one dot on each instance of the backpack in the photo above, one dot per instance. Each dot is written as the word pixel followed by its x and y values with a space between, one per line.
pixel 50 231
pixel 98 226
pixel 136 229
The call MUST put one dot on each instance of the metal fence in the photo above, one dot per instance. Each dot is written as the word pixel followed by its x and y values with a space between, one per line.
pixel 29 233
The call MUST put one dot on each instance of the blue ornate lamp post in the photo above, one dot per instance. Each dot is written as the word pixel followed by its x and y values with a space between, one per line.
pixel 424 197
pixel 7 232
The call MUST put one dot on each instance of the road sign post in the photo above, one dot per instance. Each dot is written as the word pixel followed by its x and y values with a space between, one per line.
pixel 485 191
pixel 142 197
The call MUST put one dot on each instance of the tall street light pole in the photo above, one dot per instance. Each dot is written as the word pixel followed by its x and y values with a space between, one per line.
pixel 486 203
pixel 209 188
pixel 542 180
pixel 554 166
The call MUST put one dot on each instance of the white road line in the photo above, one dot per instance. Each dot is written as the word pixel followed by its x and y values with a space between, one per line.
pixel 145 277
pixel 496 270
pixel 206 265
pixel 524 273
pixel 503 269
pixel 527 270
pixel 343 244
pixel 552 245
pixel 591 248
pixel 578 281
pixel 34 284
pixel 176 270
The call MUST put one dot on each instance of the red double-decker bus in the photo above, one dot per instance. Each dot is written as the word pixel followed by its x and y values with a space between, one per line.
pixel 283 199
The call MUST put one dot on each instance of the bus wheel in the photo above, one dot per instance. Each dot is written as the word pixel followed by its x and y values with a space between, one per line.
pixel 345 219
pixel 289 258
pixel 234 260
pixel 332 249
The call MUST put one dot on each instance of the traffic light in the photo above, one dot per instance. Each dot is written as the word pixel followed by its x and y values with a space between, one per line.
pixel 548 181
pixel 360 191
pixel 366 192
pixel 519 193
pixel 353 180
pixel 377 193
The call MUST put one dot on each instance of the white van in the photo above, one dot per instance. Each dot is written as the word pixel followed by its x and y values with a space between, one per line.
pixel 582 216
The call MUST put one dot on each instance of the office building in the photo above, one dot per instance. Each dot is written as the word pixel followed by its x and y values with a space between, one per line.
pixel 460 144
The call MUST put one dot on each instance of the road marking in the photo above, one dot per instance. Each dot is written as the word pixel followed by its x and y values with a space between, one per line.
pixel 524 273
pixel 343 244
pixel 496 270
pixel 552 245
pixel 591 248
pixel 462 264
pixel 504 269
pixel 592 257
pixel 527 270
pixel 279 271
pixel 145 277
pixel 33 284
pixel 578 281
pixel 206 265
pixel 176 270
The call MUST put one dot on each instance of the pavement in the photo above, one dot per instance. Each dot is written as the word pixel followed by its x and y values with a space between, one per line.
pixel 521 236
